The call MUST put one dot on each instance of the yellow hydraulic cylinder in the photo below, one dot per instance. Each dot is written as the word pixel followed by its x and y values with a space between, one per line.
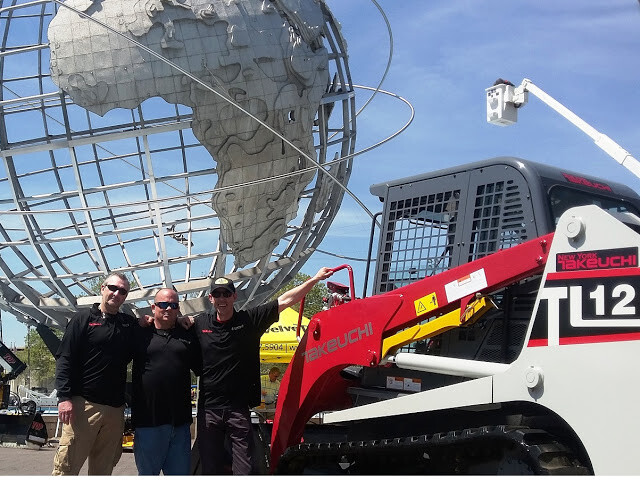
pixel 474 310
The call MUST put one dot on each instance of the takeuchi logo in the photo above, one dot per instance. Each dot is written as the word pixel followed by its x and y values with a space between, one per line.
pixel 579 180
pixel 339 342
pixel 602 259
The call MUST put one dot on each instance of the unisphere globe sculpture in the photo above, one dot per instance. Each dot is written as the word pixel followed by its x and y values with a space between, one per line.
pixel 172 140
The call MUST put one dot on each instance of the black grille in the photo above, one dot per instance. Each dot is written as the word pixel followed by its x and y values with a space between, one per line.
pixel 434 224
pixel 498 219
pixel 419 237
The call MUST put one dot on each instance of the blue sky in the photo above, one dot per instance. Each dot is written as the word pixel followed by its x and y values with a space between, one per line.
pixel 445 53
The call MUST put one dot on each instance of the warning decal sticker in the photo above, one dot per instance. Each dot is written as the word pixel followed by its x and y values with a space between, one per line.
pixel 426 304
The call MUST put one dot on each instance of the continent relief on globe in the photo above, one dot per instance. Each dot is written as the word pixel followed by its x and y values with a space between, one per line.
pixel 267 56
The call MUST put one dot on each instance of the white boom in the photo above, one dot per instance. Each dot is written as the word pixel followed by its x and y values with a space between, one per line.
pixel 504 99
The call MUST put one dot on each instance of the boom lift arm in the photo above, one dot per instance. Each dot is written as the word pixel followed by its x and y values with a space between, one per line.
pixel 504 99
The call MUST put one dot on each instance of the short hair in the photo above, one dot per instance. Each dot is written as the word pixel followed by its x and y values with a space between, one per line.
pixel 166 289
pixel 117 274
pixel 275 369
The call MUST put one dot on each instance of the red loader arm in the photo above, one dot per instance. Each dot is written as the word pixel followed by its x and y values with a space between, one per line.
pixel 352 334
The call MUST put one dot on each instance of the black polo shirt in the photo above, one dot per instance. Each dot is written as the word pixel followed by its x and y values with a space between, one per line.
pixel 92 358
pixel 161 376
pixel 231 356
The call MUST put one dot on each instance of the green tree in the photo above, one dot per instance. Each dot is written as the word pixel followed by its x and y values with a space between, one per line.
pixel 313 302
pixel 39 360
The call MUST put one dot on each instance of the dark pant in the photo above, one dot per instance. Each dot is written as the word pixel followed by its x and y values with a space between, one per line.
pixel 213 427
pixel 165 448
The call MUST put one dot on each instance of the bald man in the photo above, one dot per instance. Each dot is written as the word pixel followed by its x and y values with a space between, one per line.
pixel 161 410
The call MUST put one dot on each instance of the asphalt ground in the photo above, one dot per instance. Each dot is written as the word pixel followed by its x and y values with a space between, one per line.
pixel 22 461
pixel 30 462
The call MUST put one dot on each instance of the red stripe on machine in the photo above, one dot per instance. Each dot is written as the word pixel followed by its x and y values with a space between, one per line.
pixel 631 336
pixel 596 273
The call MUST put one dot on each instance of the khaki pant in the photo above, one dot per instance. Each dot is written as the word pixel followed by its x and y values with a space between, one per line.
pixel 96 433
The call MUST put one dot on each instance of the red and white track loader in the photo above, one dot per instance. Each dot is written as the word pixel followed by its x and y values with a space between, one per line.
pixel 503 336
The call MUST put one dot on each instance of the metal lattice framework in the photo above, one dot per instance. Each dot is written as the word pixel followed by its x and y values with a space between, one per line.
pixel 83 195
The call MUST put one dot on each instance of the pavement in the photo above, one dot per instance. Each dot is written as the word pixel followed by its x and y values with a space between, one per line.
pixel 16 461
pixel 22 461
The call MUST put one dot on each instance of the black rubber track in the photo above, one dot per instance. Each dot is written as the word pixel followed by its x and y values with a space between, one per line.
pixel 492 450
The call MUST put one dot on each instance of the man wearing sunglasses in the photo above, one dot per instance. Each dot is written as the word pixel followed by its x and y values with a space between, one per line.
pixel 230 381
pixel 161 408
pixel 91 372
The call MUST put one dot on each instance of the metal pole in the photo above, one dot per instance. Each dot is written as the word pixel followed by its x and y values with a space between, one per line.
pixel 28 357
pixel 366 272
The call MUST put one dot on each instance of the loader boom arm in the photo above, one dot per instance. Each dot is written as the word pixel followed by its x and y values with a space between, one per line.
pixel 353 333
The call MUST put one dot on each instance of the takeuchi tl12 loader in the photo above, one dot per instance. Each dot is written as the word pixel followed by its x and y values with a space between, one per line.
pixel 503 336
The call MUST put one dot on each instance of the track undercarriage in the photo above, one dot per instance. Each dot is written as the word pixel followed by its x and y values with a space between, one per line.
pixel 489 450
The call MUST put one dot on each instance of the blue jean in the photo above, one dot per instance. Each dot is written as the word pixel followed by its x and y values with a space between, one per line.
pixel 165 448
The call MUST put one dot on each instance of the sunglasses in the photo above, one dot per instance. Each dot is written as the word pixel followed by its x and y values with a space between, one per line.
pixel 218 294
pixel 114 288
pixel 166 305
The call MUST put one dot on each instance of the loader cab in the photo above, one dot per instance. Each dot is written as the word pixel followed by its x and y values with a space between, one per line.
pixel 435 221
pixel 562 198
pixel 439 220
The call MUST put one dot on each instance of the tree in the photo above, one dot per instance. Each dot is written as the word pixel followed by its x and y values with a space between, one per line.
pixel 313 302
pixel 39 360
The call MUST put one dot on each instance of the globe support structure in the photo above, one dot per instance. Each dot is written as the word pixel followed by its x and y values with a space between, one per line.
pixel 83 195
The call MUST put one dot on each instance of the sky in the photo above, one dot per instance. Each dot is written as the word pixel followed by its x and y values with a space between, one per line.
pixel 444 54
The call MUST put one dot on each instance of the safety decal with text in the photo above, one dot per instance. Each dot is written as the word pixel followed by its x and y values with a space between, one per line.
pixel 466 285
